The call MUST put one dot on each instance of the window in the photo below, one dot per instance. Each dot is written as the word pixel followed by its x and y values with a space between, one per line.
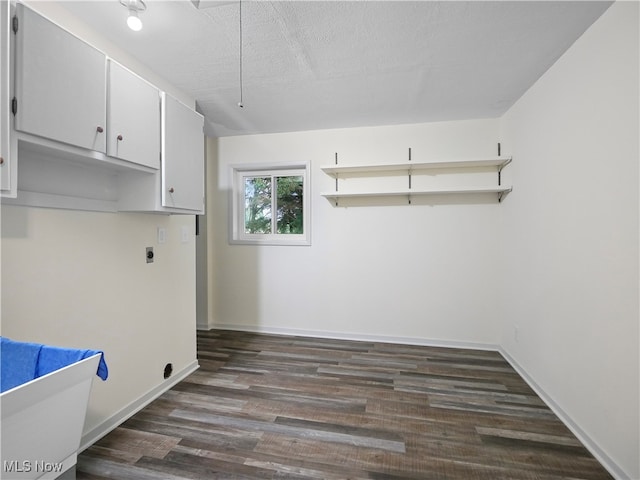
pixel 270 206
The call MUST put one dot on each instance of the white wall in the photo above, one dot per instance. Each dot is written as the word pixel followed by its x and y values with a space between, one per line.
pixel 206 265
pixel 571 236
pixel 404 272
pixel 80 279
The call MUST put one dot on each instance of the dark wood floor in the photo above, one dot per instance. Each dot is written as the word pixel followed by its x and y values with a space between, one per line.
pixel 280 407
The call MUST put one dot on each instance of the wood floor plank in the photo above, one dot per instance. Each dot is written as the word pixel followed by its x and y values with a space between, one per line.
pixel 140 442
pixel 284 407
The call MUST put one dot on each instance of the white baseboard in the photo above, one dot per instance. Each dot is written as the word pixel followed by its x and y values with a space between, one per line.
pixel 363 337
pixel 606 461
pixel 203 326
pixel 134 407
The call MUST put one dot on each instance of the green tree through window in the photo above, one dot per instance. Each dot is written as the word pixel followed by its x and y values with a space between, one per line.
pixel 259 205
pixel 289 204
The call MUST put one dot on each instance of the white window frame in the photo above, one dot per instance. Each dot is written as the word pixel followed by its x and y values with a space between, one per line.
pixel 238 236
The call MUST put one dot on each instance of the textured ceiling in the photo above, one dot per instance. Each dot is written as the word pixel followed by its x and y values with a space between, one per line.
pixel 331 64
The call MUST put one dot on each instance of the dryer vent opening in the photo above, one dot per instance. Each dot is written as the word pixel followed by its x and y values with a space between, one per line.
pixel 168 370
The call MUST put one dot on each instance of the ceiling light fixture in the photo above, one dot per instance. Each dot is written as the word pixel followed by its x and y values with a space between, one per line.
pixel 134 7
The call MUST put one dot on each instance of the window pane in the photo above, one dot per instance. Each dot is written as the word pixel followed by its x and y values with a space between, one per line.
pixel 257 205
pixel 289 204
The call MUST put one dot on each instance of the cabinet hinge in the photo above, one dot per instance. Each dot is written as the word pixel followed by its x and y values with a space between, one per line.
pixel 14 106
pixel 14 24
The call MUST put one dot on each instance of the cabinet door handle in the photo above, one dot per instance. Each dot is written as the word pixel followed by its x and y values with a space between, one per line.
pixel 119 138
pixel 1 160
pixel 100 129
pixel 171 190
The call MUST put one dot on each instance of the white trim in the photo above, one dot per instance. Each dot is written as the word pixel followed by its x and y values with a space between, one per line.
pixel 236 201
pixel 204 326
pixel 248 167
pixel 426 342
pixel 95 434
pixel 605 460
pixel 64 202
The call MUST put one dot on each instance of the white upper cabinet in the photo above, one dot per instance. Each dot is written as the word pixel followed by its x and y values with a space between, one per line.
pixel 88 133
pixel 5 157
pixel 60 84
pixel 133 118
pixel 182 156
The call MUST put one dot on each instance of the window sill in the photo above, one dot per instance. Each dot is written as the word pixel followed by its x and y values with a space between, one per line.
pixel 272 241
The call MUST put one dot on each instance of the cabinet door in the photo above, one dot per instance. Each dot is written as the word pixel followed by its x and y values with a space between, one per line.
pixel 5 161
pixel 133 121
pixel 182 156
pixel 60 84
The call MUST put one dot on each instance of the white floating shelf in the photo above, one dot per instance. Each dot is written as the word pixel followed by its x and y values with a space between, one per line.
pixel 498 162
pixel 501 190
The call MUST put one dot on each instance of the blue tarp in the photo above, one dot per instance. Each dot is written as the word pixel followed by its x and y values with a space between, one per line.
pixel 21 362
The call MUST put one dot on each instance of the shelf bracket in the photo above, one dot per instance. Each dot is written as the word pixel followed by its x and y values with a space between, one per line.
pixel 409 173
pixel 504 164
pixel 336 179
pixel 501 166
